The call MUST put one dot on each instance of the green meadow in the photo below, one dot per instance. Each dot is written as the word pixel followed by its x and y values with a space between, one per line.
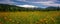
pixel 36 17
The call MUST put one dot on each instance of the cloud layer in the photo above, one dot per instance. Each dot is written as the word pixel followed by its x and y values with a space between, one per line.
pixel 27 6
pixel 43 2
pixel 39 3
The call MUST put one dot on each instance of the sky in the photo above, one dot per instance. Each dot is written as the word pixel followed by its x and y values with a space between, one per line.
pixel 32 3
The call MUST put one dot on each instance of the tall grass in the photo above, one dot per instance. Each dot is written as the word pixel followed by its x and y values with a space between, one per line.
pixel 37 17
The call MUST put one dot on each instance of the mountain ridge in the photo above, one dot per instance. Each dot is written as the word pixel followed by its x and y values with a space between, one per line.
pixel 7 7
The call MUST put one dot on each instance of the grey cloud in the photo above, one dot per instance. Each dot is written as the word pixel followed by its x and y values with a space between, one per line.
pixel 6 2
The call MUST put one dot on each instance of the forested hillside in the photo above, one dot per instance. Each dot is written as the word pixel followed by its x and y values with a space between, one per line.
pixel 6 7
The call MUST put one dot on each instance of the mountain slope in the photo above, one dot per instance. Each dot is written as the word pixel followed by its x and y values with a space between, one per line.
pixel 6 7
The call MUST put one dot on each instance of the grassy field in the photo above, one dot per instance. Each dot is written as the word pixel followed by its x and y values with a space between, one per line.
pixel 36 17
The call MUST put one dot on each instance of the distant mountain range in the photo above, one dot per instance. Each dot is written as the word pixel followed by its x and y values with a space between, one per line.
pixel 6 7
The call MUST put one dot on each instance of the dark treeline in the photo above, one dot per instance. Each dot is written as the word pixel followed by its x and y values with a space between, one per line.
pixel 6 7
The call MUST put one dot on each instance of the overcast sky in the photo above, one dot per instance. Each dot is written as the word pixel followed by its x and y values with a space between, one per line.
pixel 33 3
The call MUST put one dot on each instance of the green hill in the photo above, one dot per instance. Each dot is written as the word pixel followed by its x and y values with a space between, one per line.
pixel 7 7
